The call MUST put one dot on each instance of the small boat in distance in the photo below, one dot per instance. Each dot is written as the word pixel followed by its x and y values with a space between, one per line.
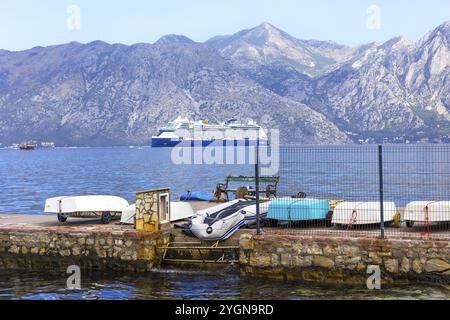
pixel 47 144
pixel 27 146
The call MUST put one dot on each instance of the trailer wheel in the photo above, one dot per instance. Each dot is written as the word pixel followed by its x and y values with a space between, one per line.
pixel 62 218
pixel 328 219
pixel 106 218
pixel 409 223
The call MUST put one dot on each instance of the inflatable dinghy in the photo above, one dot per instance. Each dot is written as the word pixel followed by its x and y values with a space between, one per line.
pixel 221 221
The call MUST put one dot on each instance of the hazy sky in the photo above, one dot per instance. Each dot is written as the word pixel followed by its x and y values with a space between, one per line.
pixel 28 23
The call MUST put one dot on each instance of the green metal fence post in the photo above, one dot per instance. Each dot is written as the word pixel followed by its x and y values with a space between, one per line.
pixel 257 188
pixel 380 179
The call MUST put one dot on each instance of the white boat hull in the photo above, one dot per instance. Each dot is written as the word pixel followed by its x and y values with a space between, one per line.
pixel 361 213
pixel 222 228
pixel 437 211
pixel 216 208
pixel 78 204
pixel 128 214
pixel 180 211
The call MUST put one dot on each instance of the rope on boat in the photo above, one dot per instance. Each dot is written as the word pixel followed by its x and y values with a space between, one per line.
pixel 426 230
pixel 352 219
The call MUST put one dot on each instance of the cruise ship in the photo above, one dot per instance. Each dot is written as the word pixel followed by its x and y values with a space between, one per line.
pixel 183 132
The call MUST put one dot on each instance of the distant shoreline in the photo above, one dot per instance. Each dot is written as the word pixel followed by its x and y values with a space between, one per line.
pixel 282 146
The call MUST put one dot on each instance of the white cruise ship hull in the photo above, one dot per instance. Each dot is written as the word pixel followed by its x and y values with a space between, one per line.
pixel 168 143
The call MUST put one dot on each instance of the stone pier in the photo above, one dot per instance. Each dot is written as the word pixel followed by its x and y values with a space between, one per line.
pixel 344 260
pixel 39 242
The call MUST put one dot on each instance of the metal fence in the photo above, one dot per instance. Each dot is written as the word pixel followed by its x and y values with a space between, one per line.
pixel 392 191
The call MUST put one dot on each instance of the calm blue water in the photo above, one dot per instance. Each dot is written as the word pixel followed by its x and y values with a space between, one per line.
pixel 183 284
pixel 29 177
pixel 334 172
pixel 331 172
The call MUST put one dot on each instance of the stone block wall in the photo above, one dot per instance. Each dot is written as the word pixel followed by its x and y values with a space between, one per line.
pixel 45 248
pixel 339 260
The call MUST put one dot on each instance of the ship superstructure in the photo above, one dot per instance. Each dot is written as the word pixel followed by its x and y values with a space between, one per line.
pixel 202 133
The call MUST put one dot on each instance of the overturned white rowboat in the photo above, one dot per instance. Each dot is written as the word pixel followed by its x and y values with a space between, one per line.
pixel 360 213
pixel 427 211
pixel 104 206
pixel 128 214
pixel 180 210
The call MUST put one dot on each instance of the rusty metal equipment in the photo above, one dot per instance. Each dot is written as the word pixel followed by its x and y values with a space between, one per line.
pixel 201 253
pixel 268 187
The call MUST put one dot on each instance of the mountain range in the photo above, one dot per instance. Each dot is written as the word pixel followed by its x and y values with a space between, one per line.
pixel 319 92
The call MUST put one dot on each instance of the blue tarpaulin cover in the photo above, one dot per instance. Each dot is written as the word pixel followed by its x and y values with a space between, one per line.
pixel 195 197
pixel 292 209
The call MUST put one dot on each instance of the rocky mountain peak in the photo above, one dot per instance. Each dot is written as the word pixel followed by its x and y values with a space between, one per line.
pixel 174 39
pixel 398 43
pixel 265 33
pixel 433 54
pixel 444 28
pixel 440 34
pixel 266 25
pixel 259 37
pixel 265 44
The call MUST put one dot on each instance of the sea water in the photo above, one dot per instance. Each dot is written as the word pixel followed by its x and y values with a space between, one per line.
pixel 27 178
